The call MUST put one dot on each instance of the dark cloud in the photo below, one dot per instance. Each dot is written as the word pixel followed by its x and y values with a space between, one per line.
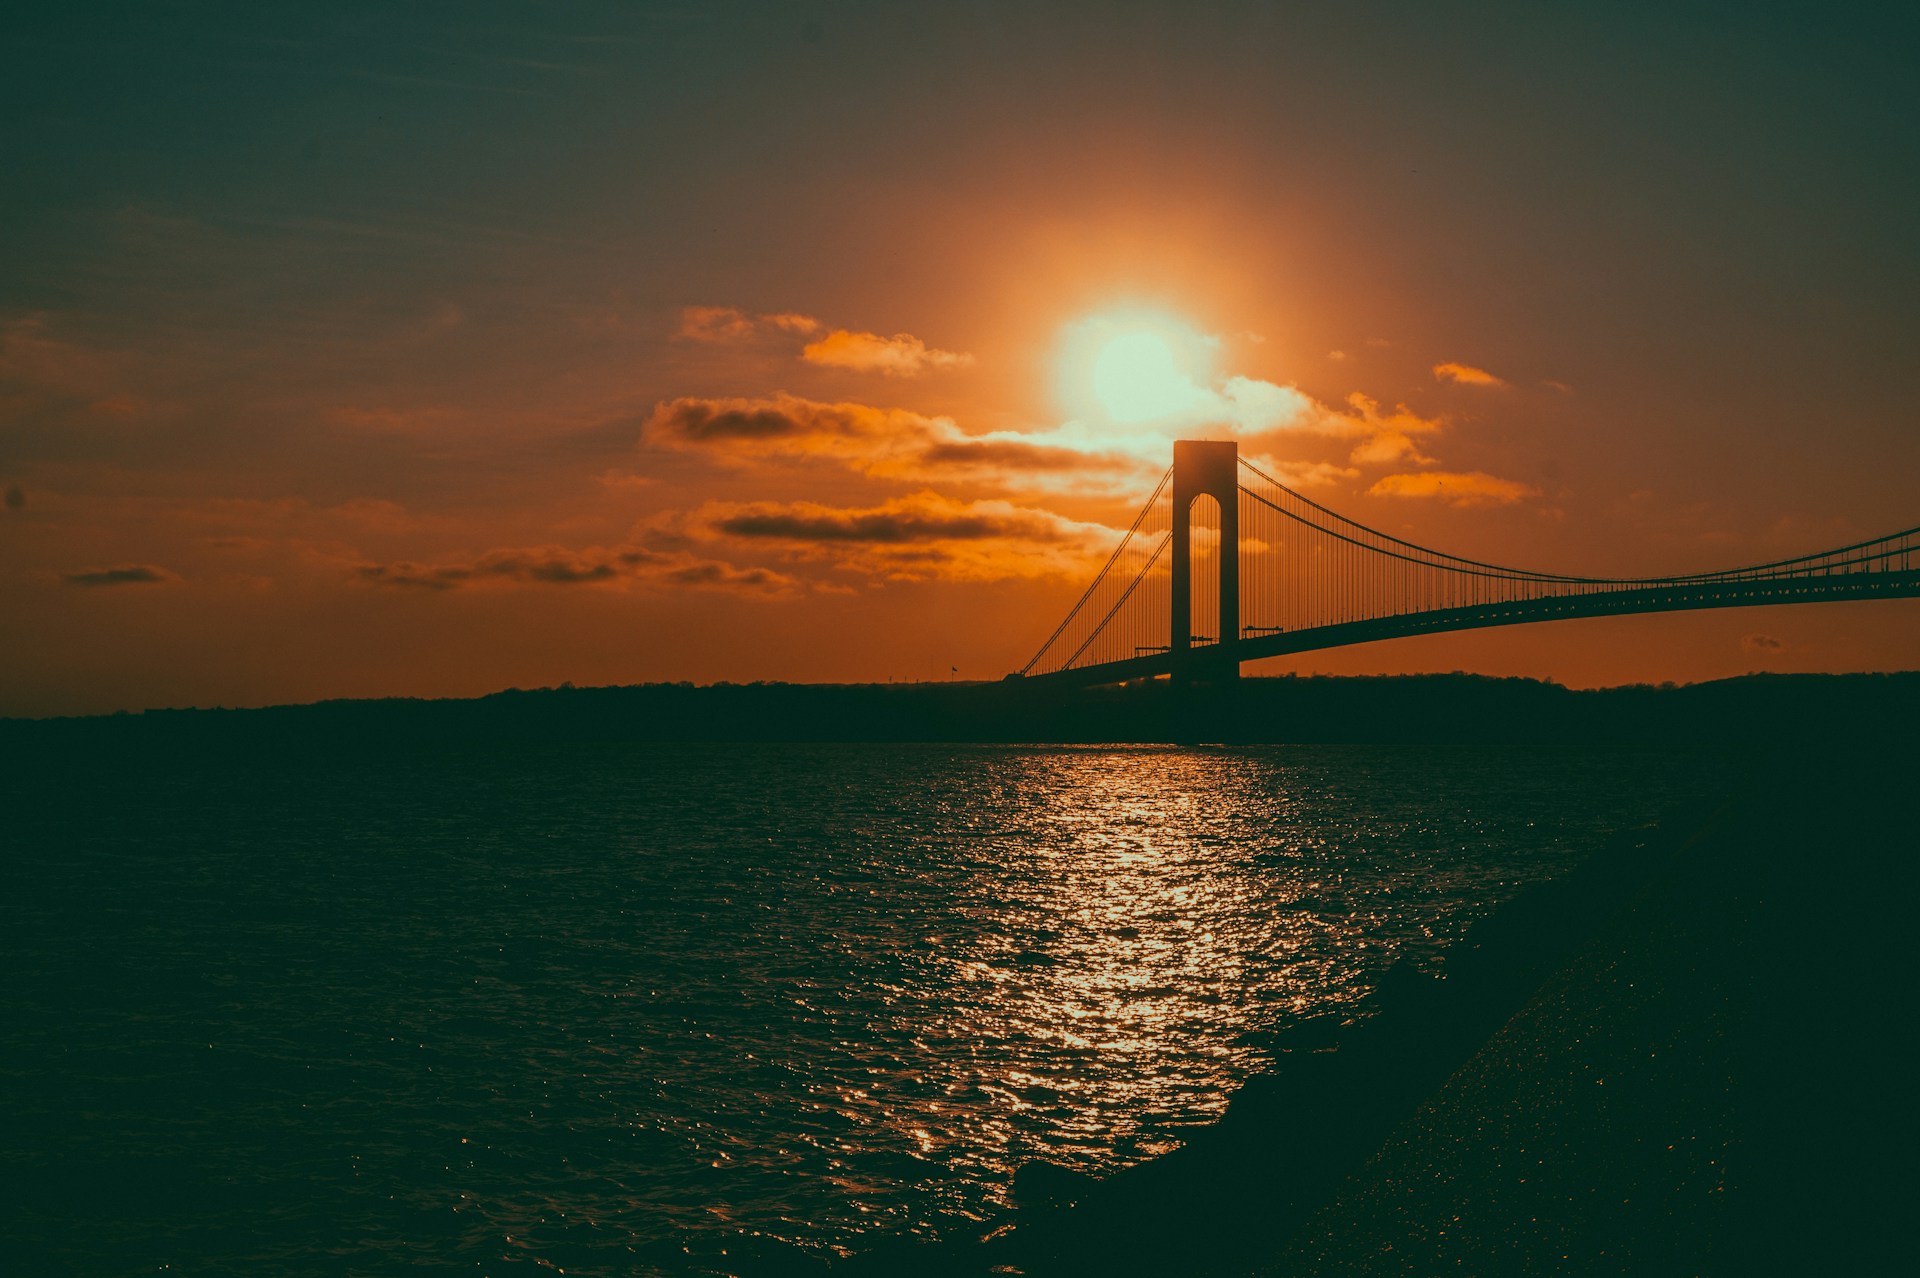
pixel 712 573
pixel 1010 454
pixel 883 442
pixel 783 423
pixel 120 575
pixel 914 538
pixel 413 576
pixel 560 566
pixel 731 324
pixel 921 518
pixel 1761 643
pixel 16 498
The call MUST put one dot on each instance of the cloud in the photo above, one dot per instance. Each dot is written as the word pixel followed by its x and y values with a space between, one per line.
pixel 1473 488
pixel 1248 407
pixel 592 566
pixel 1466 375
pixel 16 498
pixel 1076 456
pixel 1000 452
pixel 924 516
pixel 1251 406
pixel 920 536
pixel 902 355
pixel 1761 643
pixel 731 324
pixel 714 324
pixel 120 575
pixel 1088 454
pixel 786 425
pixel 1388 437
pixel 883 442
pixel 1305 474
pixel 1386 447
pixel 1166 388
pixel 1259 413
pixel 792 322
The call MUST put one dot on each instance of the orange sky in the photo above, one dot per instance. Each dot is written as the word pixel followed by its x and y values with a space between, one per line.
pixel 397 356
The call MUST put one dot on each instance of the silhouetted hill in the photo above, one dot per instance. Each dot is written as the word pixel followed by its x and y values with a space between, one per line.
pixel 1789 709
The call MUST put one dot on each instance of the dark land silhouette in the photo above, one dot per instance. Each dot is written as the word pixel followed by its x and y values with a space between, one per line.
pixel 1750 710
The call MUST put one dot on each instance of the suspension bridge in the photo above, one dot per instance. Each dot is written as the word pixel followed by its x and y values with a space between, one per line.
pixel 1227 564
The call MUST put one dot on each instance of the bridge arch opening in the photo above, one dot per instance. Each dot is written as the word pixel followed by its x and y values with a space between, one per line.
pixel 1203 571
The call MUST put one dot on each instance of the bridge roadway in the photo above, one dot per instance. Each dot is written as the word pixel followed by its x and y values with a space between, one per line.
pixel 1813 588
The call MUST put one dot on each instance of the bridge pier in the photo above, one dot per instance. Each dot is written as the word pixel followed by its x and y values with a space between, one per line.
pixel 1206 468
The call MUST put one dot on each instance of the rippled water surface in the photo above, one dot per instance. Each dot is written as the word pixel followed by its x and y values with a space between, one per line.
pixel 624 1010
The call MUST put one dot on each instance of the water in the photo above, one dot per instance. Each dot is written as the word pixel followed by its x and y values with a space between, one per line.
pixel 631 1010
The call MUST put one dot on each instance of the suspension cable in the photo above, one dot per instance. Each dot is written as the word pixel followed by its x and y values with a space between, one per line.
pixel 1125 595
pixel 1522 574
pixel 1102 574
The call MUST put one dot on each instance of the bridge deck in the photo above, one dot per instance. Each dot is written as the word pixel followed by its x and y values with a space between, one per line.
pixel 1815 588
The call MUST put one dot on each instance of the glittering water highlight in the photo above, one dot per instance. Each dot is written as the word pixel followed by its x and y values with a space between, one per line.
pixel 651 1010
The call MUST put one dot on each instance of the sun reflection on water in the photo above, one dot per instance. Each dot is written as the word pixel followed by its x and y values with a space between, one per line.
pixel 1127 959
pixel 677 1007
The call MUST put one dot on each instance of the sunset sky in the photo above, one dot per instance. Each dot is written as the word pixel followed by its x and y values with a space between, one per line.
pixel 365 350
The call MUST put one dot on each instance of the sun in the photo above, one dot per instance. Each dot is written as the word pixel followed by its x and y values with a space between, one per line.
pixel 1134 368
pixel 1137 378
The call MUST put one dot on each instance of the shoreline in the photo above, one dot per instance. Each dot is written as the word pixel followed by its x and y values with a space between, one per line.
pixel 1315 709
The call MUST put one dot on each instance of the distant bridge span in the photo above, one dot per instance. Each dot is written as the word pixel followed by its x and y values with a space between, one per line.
pixel 1265 572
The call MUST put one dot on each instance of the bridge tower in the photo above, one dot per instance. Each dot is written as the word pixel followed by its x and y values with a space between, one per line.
pixel 1206 468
